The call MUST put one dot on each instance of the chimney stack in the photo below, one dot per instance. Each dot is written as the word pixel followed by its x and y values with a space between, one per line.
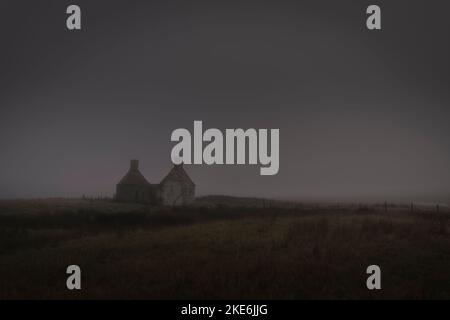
pixel 134 165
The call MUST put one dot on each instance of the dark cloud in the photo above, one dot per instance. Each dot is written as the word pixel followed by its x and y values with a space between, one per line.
pixel 362 115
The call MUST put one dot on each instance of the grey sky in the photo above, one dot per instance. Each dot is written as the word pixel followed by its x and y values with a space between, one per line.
pixel 362 115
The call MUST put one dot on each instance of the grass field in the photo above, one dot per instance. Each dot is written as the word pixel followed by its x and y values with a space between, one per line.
pixel 219 252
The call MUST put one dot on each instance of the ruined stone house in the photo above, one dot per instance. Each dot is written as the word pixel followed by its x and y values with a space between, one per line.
pixel 175 189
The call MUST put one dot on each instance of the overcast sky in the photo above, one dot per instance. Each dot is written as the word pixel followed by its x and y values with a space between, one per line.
pixel 362 114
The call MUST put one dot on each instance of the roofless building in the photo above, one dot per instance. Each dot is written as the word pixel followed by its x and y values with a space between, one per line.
pixel 176 189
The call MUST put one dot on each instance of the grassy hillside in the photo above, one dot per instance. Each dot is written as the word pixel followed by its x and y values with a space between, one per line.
pixel 286 252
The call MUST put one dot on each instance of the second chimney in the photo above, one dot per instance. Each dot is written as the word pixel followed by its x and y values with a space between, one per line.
pixel 134 165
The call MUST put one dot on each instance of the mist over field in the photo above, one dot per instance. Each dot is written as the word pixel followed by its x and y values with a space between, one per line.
pixel 87 179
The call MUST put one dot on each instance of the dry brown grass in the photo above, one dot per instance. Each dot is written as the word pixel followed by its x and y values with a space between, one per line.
pixel 221 253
